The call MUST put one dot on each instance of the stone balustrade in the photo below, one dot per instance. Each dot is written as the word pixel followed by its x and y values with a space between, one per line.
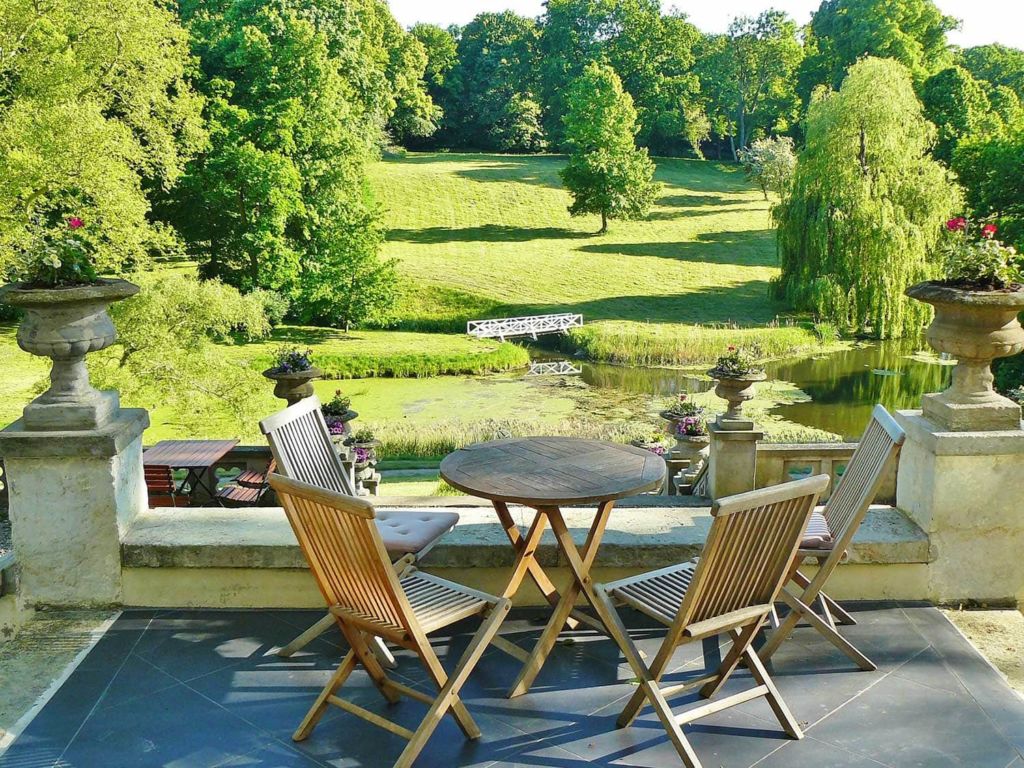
pixel 782 462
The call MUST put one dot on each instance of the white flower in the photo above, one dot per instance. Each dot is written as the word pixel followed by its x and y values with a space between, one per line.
pixel 51 260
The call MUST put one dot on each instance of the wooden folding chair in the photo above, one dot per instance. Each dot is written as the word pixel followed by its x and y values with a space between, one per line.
pixel 368 596
pixel 829 535
pixel 730 590
pixel 161 488
pixel 302 448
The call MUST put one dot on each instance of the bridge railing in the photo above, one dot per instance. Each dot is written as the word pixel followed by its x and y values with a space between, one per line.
pixel 505 327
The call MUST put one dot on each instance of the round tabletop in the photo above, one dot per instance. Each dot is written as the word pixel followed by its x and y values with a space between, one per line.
pixel 550 471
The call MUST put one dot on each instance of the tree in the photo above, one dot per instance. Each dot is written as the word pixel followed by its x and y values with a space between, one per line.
pixel 867 204
pixel 95 110
pixel 442 55
pixel 771 162
pixel 280 194
pixel 490 89
pixel 913 32
pixel 996 64
pixel 606 173
pixel 748 75
pixel 956 103
pixel 165 354
pixel 653 55
pixel 991 168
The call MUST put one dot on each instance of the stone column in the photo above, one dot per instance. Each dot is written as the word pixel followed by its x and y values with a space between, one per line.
pixel 72 494
pixel 732 464
pixel 965 489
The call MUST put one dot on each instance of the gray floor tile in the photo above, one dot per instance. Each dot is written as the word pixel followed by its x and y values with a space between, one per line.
pixel 811 752
pixel 908 724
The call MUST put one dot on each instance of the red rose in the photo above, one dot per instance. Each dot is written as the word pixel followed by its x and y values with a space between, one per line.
pixel 988 230
pixel 956 225
pixel 74 223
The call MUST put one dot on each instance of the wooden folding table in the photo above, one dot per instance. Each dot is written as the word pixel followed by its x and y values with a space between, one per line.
pixel 545 473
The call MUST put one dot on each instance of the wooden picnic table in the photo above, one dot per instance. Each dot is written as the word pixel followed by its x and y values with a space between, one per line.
pixel 545 473
pixel 197 457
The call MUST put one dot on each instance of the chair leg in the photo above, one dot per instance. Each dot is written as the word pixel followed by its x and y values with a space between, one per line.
pixel 800 608
pixel 370 664
pixel 740 641
pixel 761 677
pixel 837 611
pixel 320 705
pixel 648 688
pixel 448 696
pixel 307 637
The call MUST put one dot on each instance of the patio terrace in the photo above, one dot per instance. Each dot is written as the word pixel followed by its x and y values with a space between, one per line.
pixel 203 688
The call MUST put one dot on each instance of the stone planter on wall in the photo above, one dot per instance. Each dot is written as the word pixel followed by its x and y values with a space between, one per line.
pixel 975 327
pixel 735 390
pixel 66 324
pixel 295 386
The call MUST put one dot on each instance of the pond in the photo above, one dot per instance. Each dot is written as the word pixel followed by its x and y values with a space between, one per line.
pixel 843 386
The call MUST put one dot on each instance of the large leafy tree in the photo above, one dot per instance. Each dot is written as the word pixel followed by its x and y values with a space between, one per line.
pixel 95 108
pixel 913 32
pixel 489 94
pixel 651 52
pixel 747 76
pixel 442 54
pixel 991 168
pixel 166 356
pixel 296 105
pixel 607 174
pixel 867 204
pixel 958 106
pixel 996 64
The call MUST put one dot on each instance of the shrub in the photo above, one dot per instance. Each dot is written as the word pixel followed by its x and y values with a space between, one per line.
pixel 275 305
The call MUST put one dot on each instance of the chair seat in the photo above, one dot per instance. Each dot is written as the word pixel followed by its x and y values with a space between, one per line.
pixel 817 535
pixel 406 531
pixel 240 494
pixel 439 603
pixel 657 594
pixel 251 478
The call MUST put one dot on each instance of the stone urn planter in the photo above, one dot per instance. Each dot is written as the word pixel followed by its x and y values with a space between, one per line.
pixel 735 390
pixel 65 325
pixel 294 386
pixel 975 327
pixel 687 447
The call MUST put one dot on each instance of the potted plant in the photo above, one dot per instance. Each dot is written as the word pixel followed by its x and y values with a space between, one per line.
pixel 65 304
pixel 976 308
pixel 364 445
pixel 652 443
pixel 293 373
pixel 735 374
pixel 338 413
pixel 687 423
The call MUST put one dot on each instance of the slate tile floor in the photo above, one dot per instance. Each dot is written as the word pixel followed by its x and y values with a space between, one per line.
pixel 178 689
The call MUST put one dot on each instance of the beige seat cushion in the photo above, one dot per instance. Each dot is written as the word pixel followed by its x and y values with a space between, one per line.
pixel 817 535
pixel 407 531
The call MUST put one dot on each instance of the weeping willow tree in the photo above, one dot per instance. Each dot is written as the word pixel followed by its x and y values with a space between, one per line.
pixel 867 205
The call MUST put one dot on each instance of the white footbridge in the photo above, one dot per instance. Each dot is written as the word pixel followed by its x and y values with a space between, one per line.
pixel 533 326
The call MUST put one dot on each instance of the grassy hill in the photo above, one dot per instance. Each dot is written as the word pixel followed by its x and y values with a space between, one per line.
pixel 490 235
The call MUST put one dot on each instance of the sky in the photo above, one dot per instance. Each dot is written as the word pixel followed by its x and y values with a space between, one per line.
pixel 984 21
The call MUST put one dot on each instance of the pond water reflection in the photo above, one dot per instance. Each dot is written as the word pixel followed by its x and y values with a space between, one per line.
pixel 843 386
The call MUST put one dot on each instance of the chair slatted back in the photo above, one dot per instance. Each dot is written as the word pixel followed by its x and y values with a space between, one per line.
pixel 345 552
pixel 302 447
pixel 849 503
pixel 160 486
pixel 749 549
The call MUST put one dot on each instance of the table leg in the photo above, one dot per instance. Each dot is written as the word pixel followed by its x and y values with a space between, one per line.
pixel 526 561
pixel 580 567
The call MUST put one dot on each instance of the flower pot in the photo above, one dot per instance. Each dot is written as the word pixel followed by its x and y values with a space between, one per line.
pixel 66 324
pixel 294 386
pixel 692 448
pixel 735 390
pixel 975 327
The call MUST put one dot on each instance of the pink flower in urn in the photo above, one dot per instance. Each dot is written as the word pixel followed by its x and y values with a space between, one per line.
pixel 75 223
pixel 988 230
pixel 956 225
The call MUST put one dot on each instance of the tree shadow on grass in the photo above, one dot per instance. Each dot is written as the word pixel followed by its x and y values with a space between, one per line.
pixel 743 303
pixel 521 169
pixel 492 233
pixel 744 248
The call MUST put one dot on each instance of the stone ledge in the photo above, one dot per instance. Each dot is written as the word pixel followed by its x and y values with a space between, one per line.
pixel 109 440
pixel 940 443
pixel 637 537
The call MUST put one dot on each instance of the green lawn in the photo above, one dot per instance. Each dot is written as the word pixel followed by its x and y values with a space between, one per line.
pixel 481 235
